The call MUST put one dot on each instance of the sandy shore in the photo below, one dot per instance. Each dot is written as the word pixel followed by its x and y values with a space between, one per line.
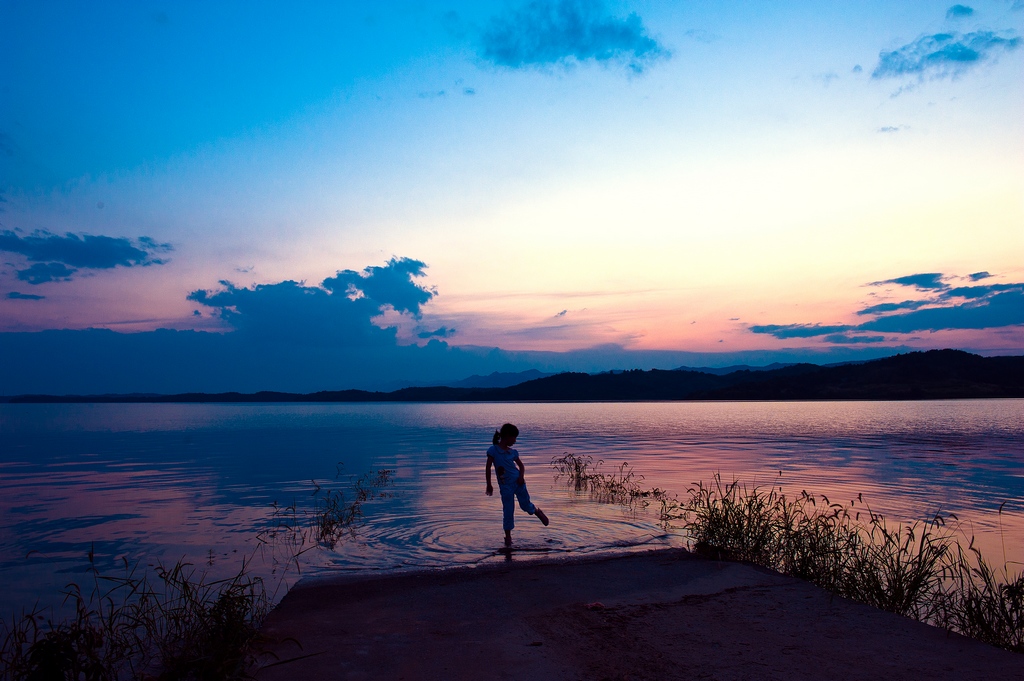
pixel 660 615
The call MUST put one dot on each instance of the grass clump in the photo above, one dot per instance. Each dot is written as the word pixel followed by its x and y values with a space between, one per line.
pixel 577 471
pixel 174 624
pixel 984 603
pixel 849 551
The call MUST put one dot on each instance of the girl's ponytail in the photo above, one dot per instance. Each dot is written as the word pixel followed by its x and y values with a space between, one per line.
pixel 507 431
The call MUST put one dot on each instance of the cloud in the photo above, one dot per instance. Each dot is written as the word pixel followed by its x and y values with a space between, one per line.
pixel 798 330
pixel 44 272
pixel 986 306
pixel 846 339
pixel 83 250
pixel 975 292
pixel 927 281
pixel 826 79
pixel 889 129
pixel 15 295
pixel 546 32
pixel 892 307
pixel 943 55
pixel 442 332
pixel 391 284
pixel 58 257
pixel 979 275
pixel 701 36
pixel 338 312
pixel 959 12
pixel 992 311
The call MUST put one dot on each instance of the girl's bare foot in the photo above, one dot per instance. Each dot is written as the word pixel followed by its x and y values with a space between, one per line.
pixel 543 516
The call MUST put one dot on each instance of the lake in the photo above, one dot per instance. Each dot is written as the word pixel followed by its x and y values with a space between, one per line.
pixel 161 482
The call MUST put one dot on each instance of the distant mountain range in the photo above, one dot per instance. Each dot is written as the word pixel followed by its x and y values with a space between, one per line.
pixel 936 374
pixel 499 379
pixel 722 371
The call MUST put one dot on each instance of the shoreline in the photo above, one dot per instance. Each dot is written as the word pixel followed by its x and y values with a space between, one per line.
pixel 662 614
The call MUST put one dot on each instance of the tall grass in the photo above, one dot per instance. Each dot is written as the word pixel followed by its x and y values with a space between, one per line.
pixel 175 622
pixel 919 570
pixel 171 625
pixel 984 603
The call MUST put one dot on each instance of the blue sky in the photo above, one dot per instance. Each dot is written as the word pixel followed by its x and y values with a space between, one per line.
pixel 649 177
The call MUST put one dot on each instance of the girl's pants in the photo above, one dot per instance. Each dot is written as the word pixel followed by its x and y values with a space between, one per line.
pixel 509 494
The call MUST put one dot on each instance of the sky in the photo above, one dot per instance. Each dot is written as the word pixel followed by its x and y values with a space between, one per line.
pixel 252 196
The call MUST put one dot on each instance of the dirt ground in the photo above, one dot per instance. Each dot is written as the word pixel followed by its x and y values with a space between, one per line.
pixel 660 615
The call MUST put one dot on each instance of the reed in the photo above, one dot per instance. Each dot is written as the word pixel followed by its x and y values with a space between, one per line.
pixel 576 471
pixel 984 603
pixel 336 511
pixel 623 485
pixel 175 622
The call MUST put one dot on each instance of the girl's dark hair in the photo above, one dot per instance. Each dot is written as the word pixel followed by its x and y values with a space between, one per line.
pixel 507 431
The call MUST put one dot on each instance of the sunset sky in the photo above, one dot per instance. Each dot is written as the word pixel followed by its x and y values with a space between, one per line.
pixel 701 177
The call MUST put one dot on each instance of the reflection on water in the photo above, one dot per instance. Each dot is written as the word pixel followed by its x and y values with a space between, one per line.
pixel 166 481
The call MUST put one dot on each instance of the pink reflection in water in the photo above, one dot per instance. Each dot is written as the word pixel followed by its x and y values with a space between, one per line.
pixel 165 481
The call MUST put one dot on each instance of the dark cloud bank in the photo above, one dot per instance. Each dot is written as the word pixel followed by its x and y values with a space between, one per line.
pixel 60 258
pixel 941 305
pixel 299 338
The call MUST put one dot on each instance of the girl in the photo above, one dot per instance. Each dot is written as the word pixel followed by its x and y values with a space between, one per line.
pixel 511 479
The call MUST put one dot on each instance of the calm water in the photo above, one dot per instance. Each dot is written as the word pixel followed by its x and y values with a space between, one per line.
pixel 162 482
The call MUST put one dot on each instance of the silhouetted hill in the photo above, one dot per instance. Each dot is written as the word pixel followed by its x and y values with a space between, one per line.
pixel 936 374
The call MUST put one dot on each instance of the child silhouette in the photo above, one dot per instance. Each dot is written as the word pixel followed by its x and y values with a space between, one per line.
pixel 511 479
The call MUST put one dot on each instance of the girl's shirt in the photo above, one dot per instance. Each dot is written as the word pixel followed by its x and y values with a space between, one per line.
pixel 505 459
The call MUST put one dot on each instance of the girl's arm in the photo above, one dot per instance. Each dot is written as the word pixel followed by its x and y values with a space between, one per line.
pixel 490 462
pixel 522 471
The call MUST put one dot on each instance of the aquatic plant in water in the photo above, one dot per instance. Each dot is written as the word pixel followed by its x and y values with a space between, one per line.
pixel 622 486
pixel 334 512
